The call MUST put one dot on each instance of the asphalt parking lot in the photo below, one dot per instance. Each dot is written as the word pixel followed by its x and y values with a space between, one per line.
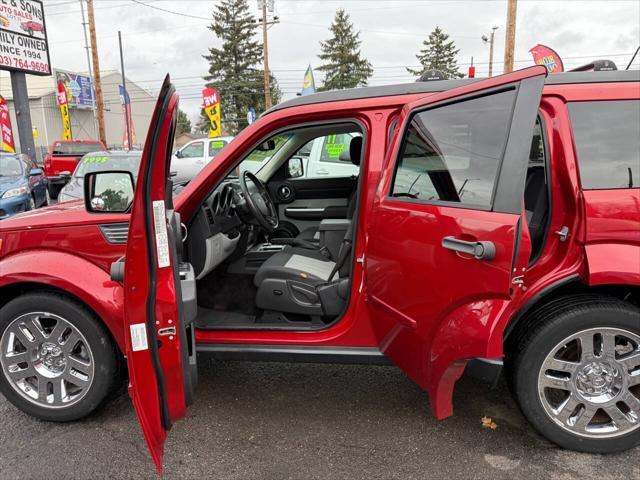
pixel 273 420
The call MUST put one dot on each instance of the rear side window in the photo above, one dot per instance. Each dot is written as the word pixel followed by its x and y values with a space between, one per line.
pixel 453 153
pixel 607 138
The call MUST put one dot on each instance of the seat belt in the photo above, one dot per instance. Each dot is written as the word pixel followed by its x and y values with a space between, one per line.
pixel 344 253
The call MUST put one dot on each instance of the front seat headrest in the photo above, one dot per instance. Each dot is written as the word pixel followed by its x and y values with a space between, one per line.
pixel 355 150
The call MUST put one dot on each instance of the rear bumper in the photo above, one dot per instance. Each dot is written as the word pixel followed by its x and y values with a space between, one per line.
pixel 13 205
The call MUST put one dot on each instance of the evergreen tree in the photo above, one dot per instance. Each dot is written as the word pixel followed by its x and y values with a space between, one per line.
pixel 235 68
pixel 184 124
pixel 439 53
pixel 343 64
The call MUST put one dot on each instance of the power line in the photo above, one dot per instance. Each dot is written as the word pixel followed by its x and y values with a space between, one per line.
pixel 170 11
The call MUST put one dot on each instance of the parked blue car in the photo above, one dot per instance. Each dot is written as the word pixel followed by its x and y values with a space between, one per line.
pixel 23 185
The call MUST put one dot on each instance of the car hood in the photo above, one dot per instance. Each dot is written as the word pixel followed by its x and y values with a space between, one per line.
pixel 62 215
pixel 7 183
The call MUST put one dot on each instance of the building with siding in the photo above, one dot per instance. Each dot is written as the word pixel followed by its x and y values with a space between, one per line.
pixel 47 122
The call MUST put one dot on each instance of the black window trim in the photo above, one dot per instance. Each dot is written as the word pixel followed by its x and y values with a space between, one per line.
pixel 548 190
pixel 445 103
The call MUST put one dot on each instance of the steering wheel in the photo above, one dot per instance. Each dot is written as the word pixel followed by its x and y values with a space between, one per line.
pixel 259 201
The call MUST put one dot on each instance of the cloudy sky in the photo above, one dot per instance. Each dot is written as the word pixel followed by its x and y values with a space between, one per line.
pixel 157 41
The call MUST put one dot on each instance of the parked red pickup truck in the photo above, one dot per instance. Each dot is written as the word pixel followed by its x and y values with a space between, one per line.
pixel 62 160
pixel 493 222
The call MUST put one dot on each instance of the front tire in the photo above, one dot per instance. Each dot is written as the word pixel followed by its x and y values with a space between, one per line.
pixel 54 190
pixel 577 373
pixel 58 362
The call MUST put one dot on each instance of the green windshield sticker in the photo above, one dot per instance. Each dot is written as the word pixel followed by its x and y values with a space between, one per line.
pixel 218 144
pixel 96 159
pixel 334 149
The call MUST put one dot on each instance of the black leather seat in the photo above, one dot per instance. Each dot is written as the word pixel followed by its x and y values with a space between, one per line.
pixel 303 281
pixel 304 265
pixel 355 153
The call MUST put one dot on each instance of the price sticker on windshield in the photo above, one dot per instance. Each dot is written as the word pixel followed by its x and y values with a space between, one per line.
pixel 162 238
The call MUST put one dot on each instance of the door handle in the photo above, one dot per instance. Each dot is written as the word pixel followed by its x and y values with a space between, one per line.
pixel 322 171
pixel 480 250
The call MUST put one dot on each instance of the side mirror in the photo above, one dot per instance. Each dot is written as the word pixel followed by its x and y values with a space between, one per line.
pixel 295 167
pixel 178 154
pixel 108 192
pixel 65 174
pixel 267 146
pixel 35 172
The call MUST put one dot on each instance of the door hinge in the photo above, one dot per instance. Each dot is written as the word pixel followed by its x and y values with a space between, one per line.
pixel 563 233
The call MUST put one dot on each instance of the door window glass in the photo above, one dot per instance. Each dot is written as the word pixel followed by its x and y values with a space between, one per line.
pixel 195 149
pixel 607 138
pixel 453 153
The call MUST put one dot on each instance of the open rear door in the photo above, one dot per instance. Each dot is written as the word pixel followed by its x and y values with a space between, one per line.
pixel 159 290
pixel 448 238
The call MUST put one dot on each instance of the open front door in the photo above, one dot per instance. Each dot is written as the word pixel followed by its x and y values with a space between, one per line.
pixel 159 290
pixel 448 238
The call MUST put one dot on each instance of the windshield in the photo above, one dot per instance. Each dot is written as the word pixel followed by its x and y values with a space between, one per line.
pixel 10 166
pixel 76 148
pixel 261 154
pixel 101 163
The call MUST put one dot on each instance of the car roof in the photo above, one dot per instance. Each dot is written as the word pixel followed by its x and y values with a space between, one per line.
pixel 442 85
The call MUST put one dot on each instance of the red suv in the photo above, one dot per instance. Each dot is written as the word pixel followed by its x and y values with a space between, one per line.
pixel 490 220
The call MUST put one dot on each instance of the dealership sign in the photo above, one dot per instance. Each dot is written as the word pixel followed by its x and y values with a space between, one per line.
pixel 23 37
pixel 79 88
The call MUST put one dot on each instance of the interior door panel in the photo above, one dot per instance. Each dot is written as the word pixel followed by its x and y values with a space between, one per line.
pixel 305 202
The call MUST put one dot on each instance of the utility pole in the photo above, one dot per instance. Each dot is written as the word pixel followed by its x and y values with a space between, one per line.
pixel 96 72
pixel 510 36
pixel 490 40
pixel 23 113
pixel 86 47
pixel 265 53
pixel 126 100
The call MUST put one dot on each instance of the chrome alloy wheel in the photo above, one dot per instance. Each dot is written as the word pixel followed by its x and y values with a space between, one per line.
pixel 589 384
pixel 46 360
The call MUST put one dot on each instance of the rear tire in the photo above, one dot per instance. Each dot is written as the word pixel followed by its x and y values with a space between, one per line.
pixel 576 375
pixel 58 362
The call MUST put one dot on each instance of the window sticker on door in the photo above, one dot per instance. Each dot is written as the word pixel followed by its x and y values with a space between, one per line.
pixel 138 337
pixel 162 239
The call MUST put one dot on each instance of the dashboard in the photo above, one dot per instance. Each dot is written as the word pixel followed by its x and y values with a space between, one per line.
pixel 216 230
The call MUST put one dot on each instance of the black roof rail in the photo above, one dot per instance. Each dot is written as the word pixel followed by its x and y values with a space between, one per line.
pixel 442 85
pixel 603 65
